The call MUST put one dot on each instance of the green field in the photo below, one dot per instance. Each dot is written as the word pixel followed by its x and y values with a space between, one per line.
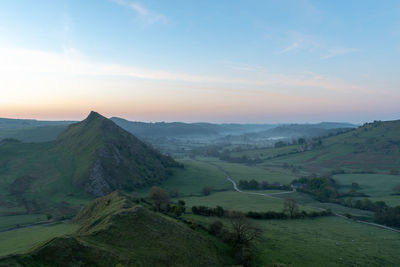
pixel 374 185
pixel 11 221
pixel 194 177
pixel 232 200
pixel 392 201
pixel 265 153
pixel 189 184
pixel 244 172
pixel 309 201
pixel 22 240
pixel 329 241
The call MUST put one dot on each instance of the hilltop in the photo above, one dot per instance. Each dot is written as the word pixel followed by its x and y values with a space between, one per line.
pixel 110 157
pixel 115 230
pixel 89 159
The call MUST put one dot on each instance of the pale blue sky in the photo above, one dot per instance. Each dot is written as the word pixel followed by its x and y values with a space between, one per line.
pixel 237 61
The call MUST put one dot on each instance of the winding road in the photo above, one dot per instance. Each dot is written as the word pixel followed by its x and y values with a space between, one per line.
pixel 228 178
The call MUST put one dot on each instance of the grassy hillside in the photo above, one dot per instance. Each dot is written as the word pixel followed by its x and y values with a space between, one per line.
pixel 374 146
pixel 194 177
pixel 115 230
pixel 23 240
pixel 328 241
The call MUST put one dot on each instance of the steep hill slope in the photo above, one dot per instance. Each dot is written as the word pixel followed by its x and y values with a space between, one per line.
pixel 90 158
pixel 115 230
pixel 109 157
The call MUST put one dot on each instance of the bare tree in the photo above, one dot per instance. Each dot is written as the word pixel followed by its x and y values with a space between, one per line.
pixel 159 196
pixel 206 190
pixel 396 189
pixel 244 237
pixel 291 207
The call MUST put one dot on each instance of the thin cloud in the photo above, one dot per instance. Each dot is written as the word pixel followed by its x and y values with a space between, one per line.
pixel 300 42
pixel 19 62
pixel 308 43
pixel 293 46
pixel 333 52
pixel 146 15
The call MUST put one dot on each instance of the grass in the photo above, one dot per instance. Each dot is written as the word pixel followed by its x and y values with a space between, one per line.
pixel 243 172
pixel 374 185
pixel 327 241
pixel 33 134
pixel 116 229
pixel 11 221
pixel 308 201
pixel 50 174
pixel 393 200
pixel 373 147
pixel 242 202
pixel 22 240
pixel 194 177
pixel 265 153
pixel 53 177
pixel 233 200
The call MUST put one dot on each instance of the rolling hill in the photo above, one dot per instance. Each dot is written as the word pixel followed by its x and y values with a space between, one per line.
pixel 89 159
pixel 371 147
pixel 116 230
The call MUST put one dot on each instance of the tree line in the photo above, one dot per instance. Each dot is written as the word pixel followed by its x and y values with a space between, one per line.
pixel 325 189
pixel 264 185
pixel 290 211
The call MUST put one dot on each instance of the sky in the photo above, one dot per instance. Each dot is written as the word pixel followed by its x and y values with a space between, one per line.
pixel 185 60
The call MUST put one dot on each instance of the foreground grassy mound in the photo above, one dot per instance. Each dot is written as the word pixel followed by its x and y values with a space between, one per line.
pixel 116 230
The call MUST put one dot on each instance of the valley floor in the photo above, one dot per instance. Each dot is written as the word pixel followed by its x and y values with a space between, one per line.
pixel 326 241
